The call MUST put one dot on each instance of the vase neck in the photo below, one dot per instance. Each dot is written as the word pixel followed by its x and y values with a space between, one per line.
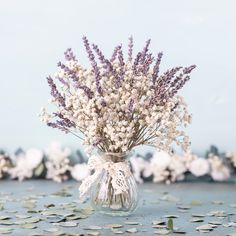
pixel 115 157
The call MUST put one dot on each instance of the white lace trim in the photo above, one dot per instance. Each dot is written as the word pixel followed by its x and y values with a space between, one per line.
pixel 119 172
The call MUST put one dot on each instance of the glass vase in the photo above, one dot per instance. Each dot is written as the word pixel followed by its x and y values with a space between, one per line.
pixel 105 197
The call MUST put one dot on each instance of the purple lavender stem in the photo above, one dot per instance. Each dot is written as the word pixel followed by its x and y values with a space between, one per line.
pixel 156 67
pixel 69 55
pixel 55 93
pixel 144 52
pixel 130 106
pixel 115 52
pixel 94 65
pixel 130 49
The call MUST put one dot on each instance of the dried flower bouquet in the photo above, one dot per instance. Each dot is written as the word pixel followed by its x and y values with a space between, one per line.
pixel 119 103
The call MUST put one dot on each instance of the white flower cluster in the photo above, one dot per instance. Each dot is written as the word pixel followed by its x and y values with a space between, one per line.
pixel 58 162
pixel 232 157
pixel 219 170
pixel 25 164
pixel 171 168
pixel 123 112
pixel 5 164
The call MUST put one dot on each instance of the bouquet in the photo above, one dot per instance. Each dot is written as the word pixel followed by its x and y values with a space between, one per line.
pixel 118 104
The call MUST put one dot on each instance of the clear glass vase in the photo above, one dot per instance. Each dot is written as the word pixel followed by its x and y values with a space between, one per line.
pixel 104 196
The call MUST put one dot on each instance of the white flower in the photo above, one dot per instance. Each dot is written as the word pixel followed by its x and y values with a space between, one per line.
pixel 139 166
pixel 80 171
pixel 199 167
pixel 219 171
pixel 5 164
pixel 58 162
pixel 161 160
pixel 56 153
pixel 158 167
pixel 177 168
pixel 26 163
pixel 232 157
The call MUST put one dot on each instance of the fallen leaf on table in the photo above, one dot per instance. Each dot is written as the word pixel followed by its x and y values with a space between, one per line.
pixel 132 230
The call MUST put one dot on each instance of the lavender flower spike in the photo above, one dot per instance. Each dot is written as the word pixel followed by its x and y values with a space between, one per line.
pixel 94 65
pixel 157 67
pixel 55 93
pixel 130 49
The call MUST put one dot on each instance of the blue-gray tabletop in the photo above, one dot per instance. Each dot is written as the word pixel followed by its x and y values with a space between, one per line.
pixel 41 207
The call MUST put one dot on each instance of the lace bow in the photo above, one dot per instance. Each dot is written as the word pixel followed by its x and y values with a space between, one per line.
pixel 118 171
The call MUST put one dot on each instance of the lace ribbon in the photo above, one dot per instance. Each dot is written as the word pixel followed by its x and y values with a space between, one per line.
pixel 118 171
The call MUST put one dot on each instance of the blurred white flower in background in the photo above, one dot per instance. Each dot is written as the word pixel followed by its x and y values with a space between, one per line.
pixel 80 171
pixel 5 164
pixel 26 163
pixel 189 158
pixel 158 167
pixel 232 157
pixel 58 162
pixel 199 167
pixel 177 168
pixel 139 166
pixel 219 171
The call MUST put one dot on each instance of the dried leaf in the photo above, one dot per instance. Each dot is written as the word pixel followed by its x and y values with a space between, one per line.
pixel 29 226
pixel 132 230
pixel 51 230
pixel 158 222
pixel 113 226
pixel 131 223
pixel 92 227
pixel 68 224
pixel 59 233
pixel 170 224
pixel 196 203
pixel 49 205
pixel 6 230
pixel 215 223
pixel 184 207
pixel 6 222
pixel 93 233
pixel 217 202
pixel 204 228
pixel 197 215
pixel 196 220
pixel 5 217
pixel 162 231
pixel 37 234
pixel 23 216
pixel 171 216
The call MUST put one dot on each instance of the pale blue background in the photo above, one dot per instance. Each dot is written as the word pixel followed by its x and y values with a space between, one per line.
pixel 34 35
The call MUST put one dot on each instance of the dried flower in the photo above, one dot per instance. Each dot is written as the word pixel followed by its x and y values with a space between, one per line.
pixel 199 167
pixel 117 105
pixel 26 163
pixel 58 162
pixel 80 171
pixel 5 164
pixel 219 170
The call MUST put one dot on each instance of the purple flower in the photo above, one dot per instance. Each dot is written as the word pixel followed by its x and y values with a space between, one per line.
pixel 55 93
pixel 115 52
pixel 131 105
pixel 69 55
pixel 130 48
pixel 94 65
pixel 156 67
